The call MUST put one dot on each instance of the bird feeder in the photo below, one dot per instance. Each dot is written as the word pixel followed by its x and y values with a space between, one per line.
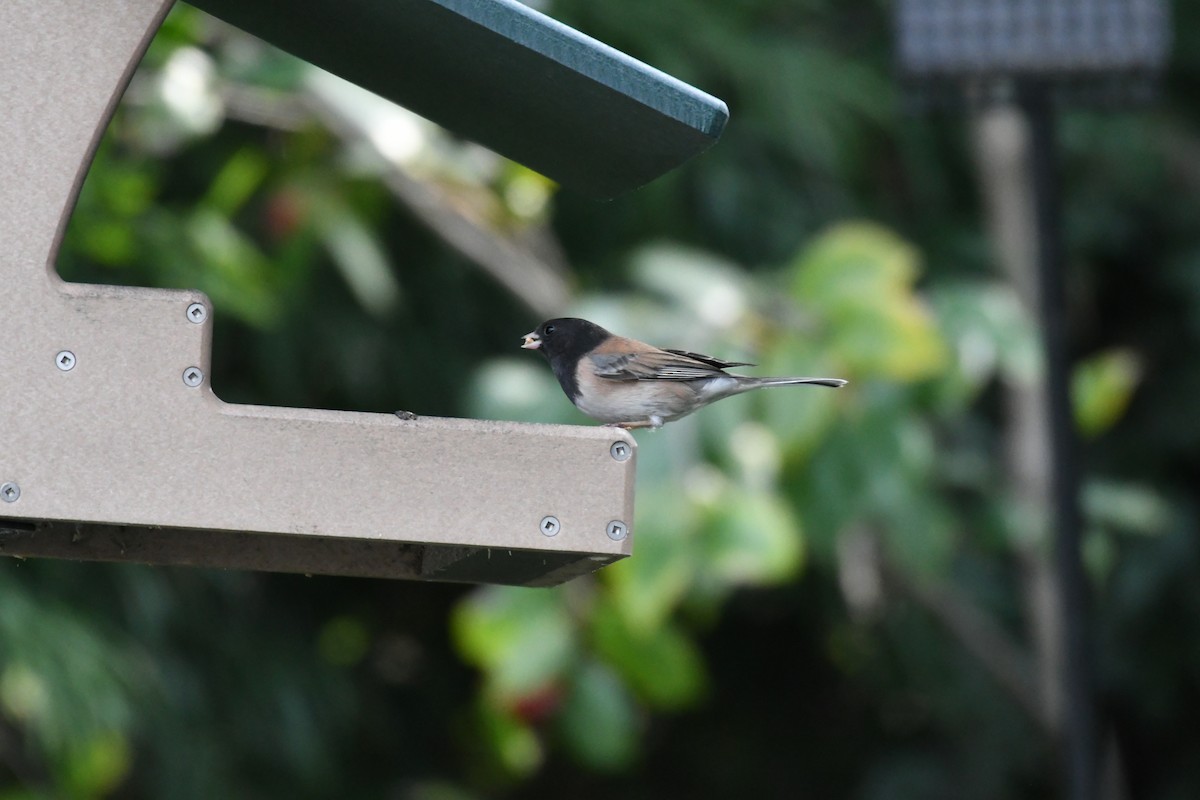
pixel 113 446
pixel 1036 56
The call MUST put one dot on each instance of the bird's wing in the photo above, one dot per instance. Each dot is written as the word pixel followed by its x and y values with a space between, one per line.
pixel 713 362
pixel 657 365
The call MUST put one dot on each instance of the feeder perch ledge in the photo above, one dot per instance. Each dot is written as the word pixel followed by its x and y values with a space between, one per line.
pixel 112 445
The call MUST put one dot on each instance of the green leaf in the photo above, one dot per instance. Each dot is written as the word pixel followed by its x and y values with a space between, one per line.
pixel 237 181
pixel 127 191
pixel 879 468
pixel 662 665
pixel 98 766
pixel 859 278
pixel 1127 507
pixel 896 455
pixel 799 416
pixel 598 721
pixel 1099 554
pixel 649 587
pixel 831 490
pixel 753 538
pixel 111 242
pixel 360 257
pixel 919 531
pixel 989 332
pixel 852 264
pixel 236 273
pixel 519 389
pixel 1101 388
pixel 513 743
pixel 713 291
pixel 343 641
pixel 521 638
pixel 67 706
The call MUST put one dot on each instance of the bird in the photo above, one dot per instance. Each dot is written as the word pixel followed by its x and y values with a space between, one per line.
pixel 629 384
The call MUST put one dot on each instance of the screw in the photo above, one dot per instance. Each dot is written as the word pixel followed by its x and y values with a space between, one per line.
pixel 197 313
pixel 192 376
pixel 10 492
pixel 65 360
pixel 550 526
pixel 621 451
pixel 616 530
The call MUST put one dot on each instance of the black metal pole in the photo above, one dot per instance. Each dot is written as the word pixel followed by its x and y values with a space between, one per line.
pixel 1079 714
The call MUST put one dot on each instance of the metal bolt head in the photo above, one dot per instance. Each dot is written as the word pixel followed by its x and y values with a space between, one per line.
pixel 193 376
pixel 197 313
pixel 10 492
pixel 621 451
pixel 65 360
pixel 550 526
pixel 616 530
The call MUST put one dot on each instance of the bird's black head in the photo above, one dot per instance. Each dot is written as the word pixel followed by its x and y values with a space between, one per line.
pixel 563 342
pixel 566 337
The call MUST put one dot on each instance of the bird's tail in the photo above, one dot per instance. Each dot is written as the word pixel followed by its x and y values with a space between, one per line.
pixel 755 383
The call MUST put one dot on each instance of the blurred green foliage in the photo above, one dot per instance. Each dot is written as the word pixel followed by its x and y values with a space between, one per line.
pixel 724 498
pixel 773 633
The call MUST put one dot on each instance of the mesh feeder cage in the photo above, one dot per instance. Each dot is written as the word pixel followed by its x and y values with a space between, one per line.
pixel 1037 56
pixel 1083 51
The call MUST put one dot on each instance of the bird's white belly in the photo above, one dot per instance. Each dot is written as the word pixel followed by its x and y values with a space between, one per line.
pixel 636 401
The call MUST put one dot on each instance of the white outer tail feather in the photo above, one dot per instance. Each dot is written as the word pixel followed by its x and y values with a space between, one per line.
pixel 834 383
pixel 728 385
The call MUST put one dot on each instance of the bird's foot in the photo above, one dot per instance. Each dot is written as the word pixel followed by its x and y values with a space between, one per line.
pixel 405 415
pixel 654 423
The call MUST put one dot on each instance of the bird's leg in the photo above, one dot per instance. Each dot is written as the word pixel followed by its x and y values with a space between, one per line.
pixel 653 423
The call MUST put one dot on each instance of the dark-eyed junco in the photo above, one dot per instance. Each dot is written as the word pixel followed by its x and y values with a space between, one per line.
pixel 631 384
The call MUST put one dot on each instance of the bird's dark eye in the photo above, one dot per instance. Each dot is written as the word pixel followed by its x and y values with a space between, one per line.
pixel 549 329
